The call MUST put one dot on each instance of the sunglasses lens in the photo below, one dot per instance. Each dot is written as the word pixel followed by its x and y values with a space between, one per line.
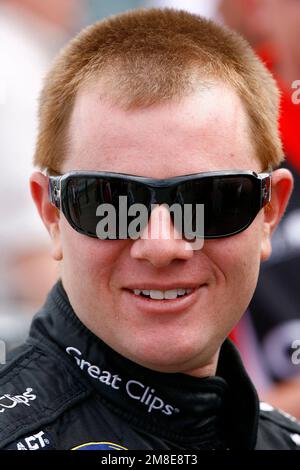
pixel 107 207
pixel 230 202
pixel 85 199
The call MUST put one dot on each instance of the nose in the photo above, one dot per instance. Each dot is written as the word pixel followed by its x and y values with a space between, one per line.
pixel 160 242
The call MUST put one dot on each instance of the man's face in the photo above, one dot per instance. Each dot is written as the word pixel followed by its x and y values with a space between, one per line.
pixel 206 131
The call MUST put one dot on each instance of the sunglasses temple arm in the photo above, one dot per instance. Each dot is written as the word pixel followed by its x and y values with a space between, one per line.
pixel 265 188
pixel 54 191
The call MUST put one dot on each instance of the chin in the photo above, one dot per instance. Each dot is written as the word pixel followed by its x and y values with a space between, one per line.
pixel 169 358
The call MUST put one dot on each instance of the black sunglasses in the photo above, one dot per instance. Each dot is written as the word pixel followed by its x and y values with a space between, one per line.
pixel 231 199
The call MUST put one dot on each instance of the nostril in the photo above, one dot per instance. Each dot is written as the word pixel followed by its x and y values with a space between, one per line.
pixel 160 252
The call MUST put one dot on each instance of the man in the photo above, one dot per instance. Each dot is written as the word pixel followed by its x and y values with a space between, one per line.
pixel 130 349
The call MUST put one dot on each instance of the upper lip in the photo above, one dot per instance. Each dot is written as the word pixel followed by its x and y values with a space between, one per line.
pixel 164 287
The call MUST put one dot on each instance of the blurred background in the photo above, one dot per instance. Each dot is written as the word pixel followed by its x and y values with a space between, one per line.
pixel 31 33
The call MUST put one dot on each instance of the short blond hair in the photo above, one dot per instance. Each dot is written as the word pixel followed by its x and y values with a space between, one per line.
pixel 148 56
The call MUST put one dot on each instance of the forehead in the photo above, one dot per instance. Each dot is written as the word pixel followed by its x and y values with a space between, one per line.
pixel 207 130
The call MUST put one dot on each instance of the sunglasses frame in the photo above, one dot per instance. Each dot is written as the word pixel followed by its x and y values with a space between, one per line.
pixel 159 189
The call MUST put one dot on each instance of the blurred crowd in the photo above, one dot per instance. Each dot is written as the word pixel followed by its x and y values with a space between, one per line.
pixel 269 329
pixel 31 33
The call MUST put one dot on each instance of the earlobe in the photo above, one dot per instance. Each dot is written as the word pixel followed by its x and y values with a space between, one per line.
pixel 48 213
pixel 266 245
pixel 282 185
pixel 56 249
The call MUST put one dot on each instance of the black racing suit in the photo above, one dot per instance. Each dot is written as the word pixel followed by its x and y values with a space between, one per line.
pixel 66 389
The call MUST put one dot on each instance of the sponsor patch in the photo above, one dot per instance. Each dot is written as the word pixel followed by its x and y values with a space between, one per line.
pixel 134 389
pixel 38 441
pixel 9 401
pixel 99 446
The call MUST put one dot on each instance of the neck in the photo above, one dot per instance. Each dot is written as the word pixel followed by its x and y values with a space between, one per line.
pixel 206 371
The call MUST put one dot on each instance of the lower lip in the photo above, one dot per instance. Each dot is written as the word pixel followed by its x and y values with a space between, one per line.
pixel 165 306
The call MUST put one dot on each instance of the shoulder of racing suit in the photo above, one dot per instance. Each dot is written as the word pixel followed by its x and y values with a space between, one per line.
pixel 277 429
pixel 36 388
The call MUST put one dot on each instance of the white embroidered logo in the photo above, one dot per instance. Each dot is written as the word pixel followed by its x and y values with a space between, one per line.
pixel 8 401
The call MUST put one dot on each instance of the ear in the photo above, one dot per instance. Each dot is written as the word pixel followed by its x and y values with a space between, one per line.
pixel 48 212
pixel 282 185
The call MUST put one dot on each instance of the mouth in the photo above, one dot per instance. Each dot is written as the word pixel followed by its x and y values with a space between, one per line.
pixel 155 294
pixel 163 301
pixel 143 299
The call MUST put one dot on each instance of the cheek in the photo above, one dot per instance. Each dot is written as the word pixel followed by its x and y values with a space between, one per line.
pixel 237 260
pixel 87 259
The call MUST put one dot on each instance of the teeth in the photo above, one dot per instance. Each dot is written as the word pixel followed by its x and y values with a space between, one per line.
pixel 157 294
pixel 181 291
pixel 170 294
pixel 160 294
